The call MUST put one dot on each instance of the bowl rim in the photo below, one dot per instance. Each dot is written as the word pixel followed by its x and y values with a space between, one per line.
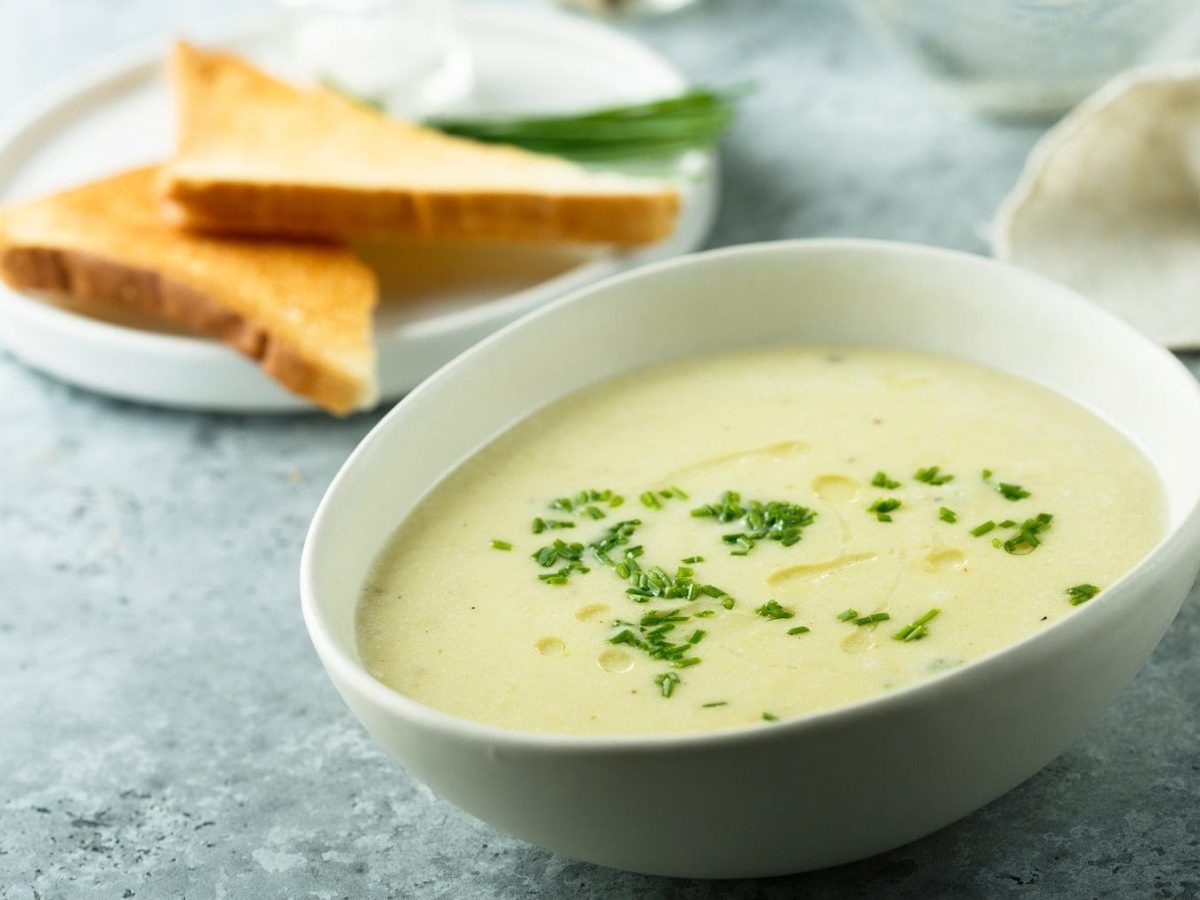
pixel 346 670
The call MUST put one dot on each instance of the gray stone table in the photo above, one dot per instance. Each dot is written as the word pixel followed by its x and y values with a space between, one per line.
pixel 166 729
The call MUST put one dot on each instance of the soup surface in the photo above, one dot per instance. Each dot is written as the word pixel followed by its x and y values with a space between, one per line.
pixel 749 536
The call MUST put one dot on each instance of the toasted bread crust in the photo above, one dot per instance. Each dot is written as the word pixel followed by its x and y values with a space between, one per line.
pixel 337 213
pixel 108 283
pixel 257 155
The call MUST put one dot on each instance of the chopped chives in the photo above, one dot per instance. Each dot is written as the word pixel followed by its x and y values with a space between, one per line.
pixel 500 545
pixel 774 520
pixel 872 618
pixel 772 610
pixel 727 603
pixel 946 514
pixel 1012 491
pixel 882 481
pixel 692 559
pixel 799 629
pixel 915 630
pixel 1081 593
pixel 540 524
pixel 650 501
pixel 666 683
pixel 986 473
pixel 932 475
pixel 983 528
pixel 1008 523
pixel 847 615
pixel 770 717
pixel 1027 537
pixel 714 704
pixel 882 507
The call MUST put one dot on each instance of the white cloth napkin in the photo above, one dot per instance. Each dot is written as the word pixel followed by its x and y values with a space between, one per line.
pixel 1109 203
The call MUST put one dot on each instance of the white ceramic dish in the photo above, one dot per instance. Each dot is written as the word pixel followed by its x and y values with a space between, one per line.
pixel 437 300
pixel 793 796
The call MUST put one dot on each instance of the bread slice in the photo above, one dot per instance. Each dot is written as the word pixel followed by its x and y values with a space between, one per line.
pixel 303 311
pixel 256 155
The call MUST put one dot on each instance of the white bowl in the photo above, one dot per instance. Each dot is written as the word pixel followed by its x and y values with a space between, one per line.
pixel 826 788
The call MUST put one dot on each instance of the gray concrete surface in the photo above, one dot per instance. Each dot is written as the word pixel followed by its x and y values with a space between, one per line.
pixel 166 729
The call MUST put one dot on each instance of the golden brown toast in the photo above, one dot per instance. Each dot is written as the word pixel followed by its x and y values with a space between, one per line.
pixel 303 311
pixel 256 155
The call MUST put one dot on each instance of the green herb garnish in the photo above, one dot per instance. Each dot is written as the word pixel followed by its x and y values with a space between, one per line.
pixel 884 507
pixel 666 682
pixel 986 474
pixel 847 615
pixel 932 475
pixel 692 559
pixel 500 545
pixel 915 630
pixel 614 536
pixel 983 528
pixel 774 520
pixel 872 618
pixel 770 717
pixel 1012 491
pixel 1028 534
pixel 548 556
pixel 772 610
pixel 882 481
pixel 659 128
pixel 540 524
pixel 947 515
pixel 653 499
pixel 714 704
pixel 799 629
pixel 1082 593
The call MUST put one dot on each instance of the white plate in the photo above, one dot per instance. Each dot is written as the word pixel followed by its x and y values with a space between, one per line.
pixel 117 114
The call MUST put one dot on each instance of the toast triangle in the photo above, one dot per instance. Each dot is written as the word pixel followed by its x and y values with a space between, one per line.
pixel 302 311
pixel 256 155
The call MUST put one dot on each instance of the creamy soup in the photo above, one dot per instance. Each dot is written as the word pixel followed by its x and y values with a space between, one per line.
pixel 750 536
